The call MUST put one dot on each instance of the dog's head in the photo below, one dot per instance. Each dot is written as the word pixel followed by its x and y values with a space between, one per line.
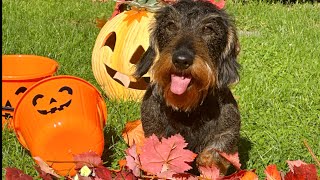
pixel 193 49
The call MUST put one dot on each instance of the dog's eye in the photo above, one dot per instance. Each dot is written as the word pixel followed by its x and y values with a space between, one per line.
pixel 171 26
pixel 207 30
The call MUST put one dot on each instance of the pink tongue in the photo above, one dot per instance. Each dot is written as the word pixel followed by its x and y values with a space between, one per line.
pixel 179 84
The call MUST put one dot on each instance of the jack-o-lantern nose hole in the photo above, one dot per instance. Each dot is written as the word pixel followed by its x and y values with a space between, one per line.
pixel 52 100
pixel 137 55
pixel 8 104
pixel 110 40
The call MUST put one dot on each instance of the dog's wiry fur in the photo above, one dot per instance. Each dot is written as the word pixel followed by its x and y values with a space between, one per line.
pixel 193 40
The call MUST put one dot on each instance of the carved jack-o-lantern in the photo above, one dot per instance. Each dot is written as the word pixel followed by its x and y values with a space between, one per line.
pixel 118 47
pixel 59 117
pixel 19 72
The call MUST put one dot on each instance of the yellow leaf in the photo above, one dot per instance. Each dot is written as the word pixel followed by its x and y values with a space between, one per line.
pixel 85 171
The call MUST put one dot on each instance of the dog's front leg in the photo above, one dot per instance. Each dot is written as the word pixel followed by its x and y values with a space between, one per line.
pixel 210 155
pixel 225 140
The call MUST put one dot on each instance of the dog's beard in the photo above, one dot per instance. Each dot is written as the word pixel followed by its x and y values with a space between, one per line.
pixel 183 90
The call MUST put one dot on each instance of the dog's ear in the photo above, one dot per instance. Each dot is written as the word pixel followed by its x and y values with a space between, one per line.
pixel 228 65
pixel 145 62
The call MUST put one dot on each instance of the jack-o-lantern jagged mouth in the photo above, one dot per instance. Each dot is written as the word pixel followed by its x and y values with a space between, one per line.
pixel 52 100
pixel 53 110
pixel 125 80
pixel 8 107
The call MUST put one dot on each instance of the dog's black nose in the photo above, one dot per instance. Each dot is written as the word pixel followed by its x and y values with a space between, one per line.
pixel 182 59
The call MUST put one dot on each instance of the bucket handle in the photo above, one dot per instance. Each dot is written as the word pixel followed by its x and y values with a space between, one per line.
pixel 21 139
pixel 19 135
pixel 102 108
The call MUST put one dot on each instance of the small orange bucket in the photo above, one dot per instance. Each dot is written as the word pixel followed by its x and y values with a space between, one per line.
pixel 59 117
pixel 19 72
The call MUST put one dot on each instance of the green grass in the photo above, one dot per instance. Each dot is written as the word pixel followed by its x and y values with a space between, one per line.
pixel 279 91
pixel 279 88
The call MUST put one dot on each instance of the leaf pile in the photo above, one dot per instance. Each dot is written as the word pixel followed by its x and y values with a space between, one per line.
pixel 166 158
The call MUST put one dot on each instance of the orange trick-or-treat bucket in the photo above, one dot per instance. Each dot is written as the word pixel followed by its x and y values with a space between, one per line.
pixel 59 117
pixel 19 72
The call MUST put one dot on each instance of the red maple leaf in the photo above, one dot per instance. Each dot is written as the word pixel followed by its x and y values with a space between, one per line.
pixel 90 159
pixel 296 163
pixel 232 158
pixel 133 160
pixel 16 174
pixel 272 172
pixel 220 4
pixel 167 157
pixel 209 172
pixel 42 174
pixel 184 176
pixel 86 178
pixel 124 175
pixel 300 170
pixel 118 8
pixel 45 167
pixel 103 172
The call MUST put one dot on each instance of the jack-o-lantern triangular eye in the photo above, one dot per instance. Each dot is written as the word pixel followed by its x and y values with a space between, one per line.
pixel 111 41
pixel 66 88
pixel 21 90
pixel 52 100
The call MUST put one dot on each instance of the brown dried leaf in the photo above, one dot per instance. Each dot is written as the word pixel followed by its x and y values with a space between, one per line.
pixel 134 134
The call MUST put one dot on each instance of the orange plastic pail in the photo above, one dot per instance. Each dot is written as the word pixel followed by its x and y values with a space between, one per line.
pixel 59 117
pixel 19 72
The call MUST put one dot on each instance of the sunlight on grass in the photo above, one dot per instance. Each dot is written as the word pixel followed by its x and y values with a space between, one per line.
pixel 279 87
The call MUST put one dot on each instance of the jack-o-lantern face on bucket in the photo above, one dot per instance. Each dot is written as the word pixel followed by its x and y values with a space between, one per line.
pixel 19 73
pixel 59 117
pixel 55 101
pixel 118 48
pixel 7 109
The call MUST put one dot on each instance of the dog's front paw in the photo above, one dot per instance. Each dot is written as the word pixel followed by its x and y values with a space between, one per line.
pixel 209 157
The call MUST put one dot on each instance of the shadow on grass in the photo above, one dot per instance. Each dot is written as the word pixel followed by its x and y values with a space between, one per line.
pixel 111 137
pixel 244 147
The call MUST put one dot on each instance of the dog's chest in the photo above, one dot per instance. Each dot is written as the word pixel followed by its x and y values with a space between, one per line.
pixel 193 127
